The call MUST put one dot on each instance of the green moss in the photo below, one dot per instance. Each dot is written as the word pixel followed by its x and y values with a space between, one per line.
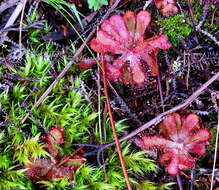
pixel 175 27
pixel 208 26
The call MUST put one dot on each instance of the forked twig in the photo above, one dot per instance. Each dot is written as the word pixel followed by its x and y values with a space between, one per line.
pixel 214 39
pixel 154 121
pixel 179 181
pixel 204 15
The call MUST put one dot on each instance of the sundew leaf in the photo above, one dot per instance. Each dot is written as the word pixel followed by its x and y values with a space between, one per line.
pixel 166 7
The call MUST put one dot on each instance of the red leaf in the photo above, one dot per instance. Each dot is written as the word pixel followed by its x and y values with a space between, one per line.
pixel 166 7
pixel 130 21
pixel 86 63
pixel 38 169
pixel 143 19
pixel 56 136
pixel 151 61
pixel 54 140
pixel 189 123
pixel 173 166
pixel 118 23
pixel 170 126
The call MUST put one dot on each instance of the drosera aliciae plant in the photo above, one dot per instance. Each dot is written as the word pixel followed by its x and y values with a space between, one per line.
pixel 58 165
pixel 179 137
pixel 127 51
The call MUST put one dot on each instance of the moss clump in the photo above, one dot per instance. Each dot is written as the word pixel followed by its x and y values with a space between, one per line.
pixel 175 27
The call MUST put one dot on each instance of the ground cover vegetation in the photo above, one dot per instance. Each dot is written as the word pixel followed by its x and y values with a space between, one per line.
pixel 109 94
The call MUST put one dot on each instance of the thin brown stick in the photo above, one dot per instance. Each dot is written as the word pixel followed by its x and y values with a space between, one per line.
pixel 160 91
pixel 188 73
pixel 113 125
pixel 13 16
pixel 21 22
pixel 68 157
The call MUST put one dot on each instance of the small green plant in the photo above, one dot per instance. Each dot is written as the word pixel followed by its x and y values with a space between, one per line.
pixel 175 27
pixel 11 178
pixel 11 174
pixel 68 9
pixel 89 177
pixel 34 35
pixel 151 186
pixel 30 148
pixel 120 128
pixel 96 4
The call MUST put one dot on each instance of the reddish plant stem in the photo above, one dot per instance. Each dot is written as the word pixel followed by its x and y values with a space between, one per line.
pixel 160 91
pixel 179 181
pixel 68 157
pixel 111 2
pixel 113 125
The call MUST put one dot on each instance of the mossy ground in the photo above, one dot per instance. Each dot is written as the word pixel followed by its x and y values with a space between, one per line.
pixel 23 81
